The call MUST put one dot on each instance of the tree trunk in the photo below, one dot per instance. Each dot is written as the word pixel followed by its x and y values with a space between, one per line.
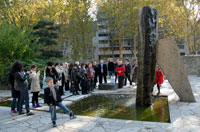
pixel 135 45
pixel 120 45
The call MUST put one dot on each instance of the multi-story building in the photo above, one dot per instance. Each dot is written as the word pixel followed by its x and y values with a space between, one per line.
pixel 183 48
pixel 106 46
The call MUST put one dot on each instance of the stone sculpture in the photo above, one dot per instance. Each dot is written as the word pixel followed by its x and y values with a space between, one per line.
pixel 148 37
pixel 169 59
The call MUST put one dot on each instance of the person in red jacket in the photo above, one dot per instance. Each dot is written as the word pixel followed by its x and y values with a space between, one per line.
pixel 158 78
pixel 120 70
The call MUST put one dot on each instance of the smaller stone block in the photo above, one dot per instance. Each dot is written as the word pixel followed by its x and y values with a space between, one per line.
pixel 108 86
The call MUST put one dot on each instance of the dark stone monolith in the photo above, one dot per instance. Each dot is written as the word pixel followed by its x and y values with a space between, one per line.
pixel 148 36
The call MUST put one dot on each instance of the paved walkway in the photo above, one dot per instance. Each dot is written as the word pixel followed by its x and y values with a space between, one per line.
pixel 185 117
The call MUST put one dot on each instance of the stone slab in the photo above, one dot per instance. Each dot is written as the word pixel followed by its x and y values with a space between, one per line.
pixel 169 59
pixel 108 86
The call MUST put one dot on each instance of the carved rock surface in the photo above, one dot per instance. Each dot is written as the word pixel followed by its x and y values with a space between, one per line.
pixel 148 37
pixel 169 59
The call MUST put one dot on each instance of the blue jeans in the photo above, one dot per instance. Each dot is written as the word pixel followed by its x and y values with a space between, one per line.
pixel 13 104
pixel 110 73
pixel 24 96
pixel 52 110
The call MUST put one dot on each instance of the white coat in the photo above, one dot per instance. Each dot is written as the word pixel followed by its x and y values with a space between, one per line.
pixel 35 81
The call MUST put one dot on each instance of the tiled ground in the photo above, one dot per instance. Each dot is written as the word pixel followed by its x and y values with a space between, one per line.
pixel 185 117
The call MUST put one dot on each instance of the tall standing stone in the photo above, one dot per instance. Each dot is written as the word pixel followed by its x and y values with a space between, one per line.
pixel 148 36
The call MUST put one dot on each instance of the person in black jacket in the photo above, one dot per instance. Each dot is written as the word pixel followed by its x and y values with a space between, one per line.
pixel 96 73
pixel 102 71
pixel 84 79
pixel 75 77
pixel 111 67
pixel 70 73
pixel 22 84
pixel 15 91
pixel 51 72
pixel 128 71
pixel 52 98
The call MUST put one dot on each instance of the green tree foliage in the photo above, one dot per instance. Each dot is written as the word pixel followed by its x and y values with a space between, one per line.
pixel 79 28
pixel 15 44
pixel 46 31
pixel 178 19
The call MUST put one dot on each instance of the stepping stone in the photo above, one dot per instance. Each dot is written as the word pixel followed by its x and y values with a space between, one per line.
pixel 108 86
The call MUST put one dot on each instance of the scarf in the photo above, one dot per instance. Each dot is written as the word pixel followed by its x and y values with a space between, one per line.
pixel 53 91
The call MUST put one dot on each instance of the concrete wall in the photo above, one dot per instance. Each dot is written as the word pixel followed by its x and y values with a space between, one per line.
pixel 192 64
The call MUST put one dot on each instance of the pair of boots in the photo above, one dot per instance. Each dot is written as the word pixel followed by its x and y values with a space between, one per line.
pixel 35 105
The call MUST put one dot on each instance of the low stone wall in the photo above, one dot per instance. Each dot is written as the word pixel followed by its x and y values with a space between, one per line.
pixel 192 64
pixel 4 87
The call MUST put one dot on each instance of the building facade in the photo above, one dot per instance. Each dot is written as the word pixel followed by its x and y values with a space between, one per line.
pixel 106 46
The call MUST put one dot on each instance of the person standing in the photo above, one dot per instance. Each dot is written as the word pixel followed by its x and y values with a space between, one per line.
pixel 112 78
pixel 120 70
pixel 115 69
pixel 158 78
pixel 102 70
pixel 59 81
pixel 51 72
pixel 14 88
pixel 86 64
pixel 52 98
pixel 66 76
pixel 84 80
pixel 128 72
pixel 35 85
pixel 70 78
pixel 90 75
pixel 75 77
pixel 135 69
pixel 96 73
pixel 111 67
pixel 22 84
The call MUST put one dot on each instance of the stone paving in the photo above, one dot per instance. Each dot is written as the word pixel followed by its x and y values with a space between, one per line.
pixel 185 117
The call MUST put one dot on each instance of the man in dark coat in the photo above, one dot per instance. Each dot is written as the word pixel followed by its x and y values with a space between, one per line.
pixel 128 71
pixel 102 71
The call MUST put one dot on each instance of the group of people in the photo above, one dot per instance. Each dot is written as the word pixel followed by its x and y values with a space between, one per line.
pixel 18 79
pixel 71 77
pixel 84 77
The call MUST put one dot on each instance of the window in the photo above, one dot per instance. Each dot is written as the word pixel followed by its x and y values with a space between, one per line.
pixel 182 53
pixel 102 27
pixel 103 41
pixel 181 46
pixel 126 48
pixel 127 55
pixel 103 34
